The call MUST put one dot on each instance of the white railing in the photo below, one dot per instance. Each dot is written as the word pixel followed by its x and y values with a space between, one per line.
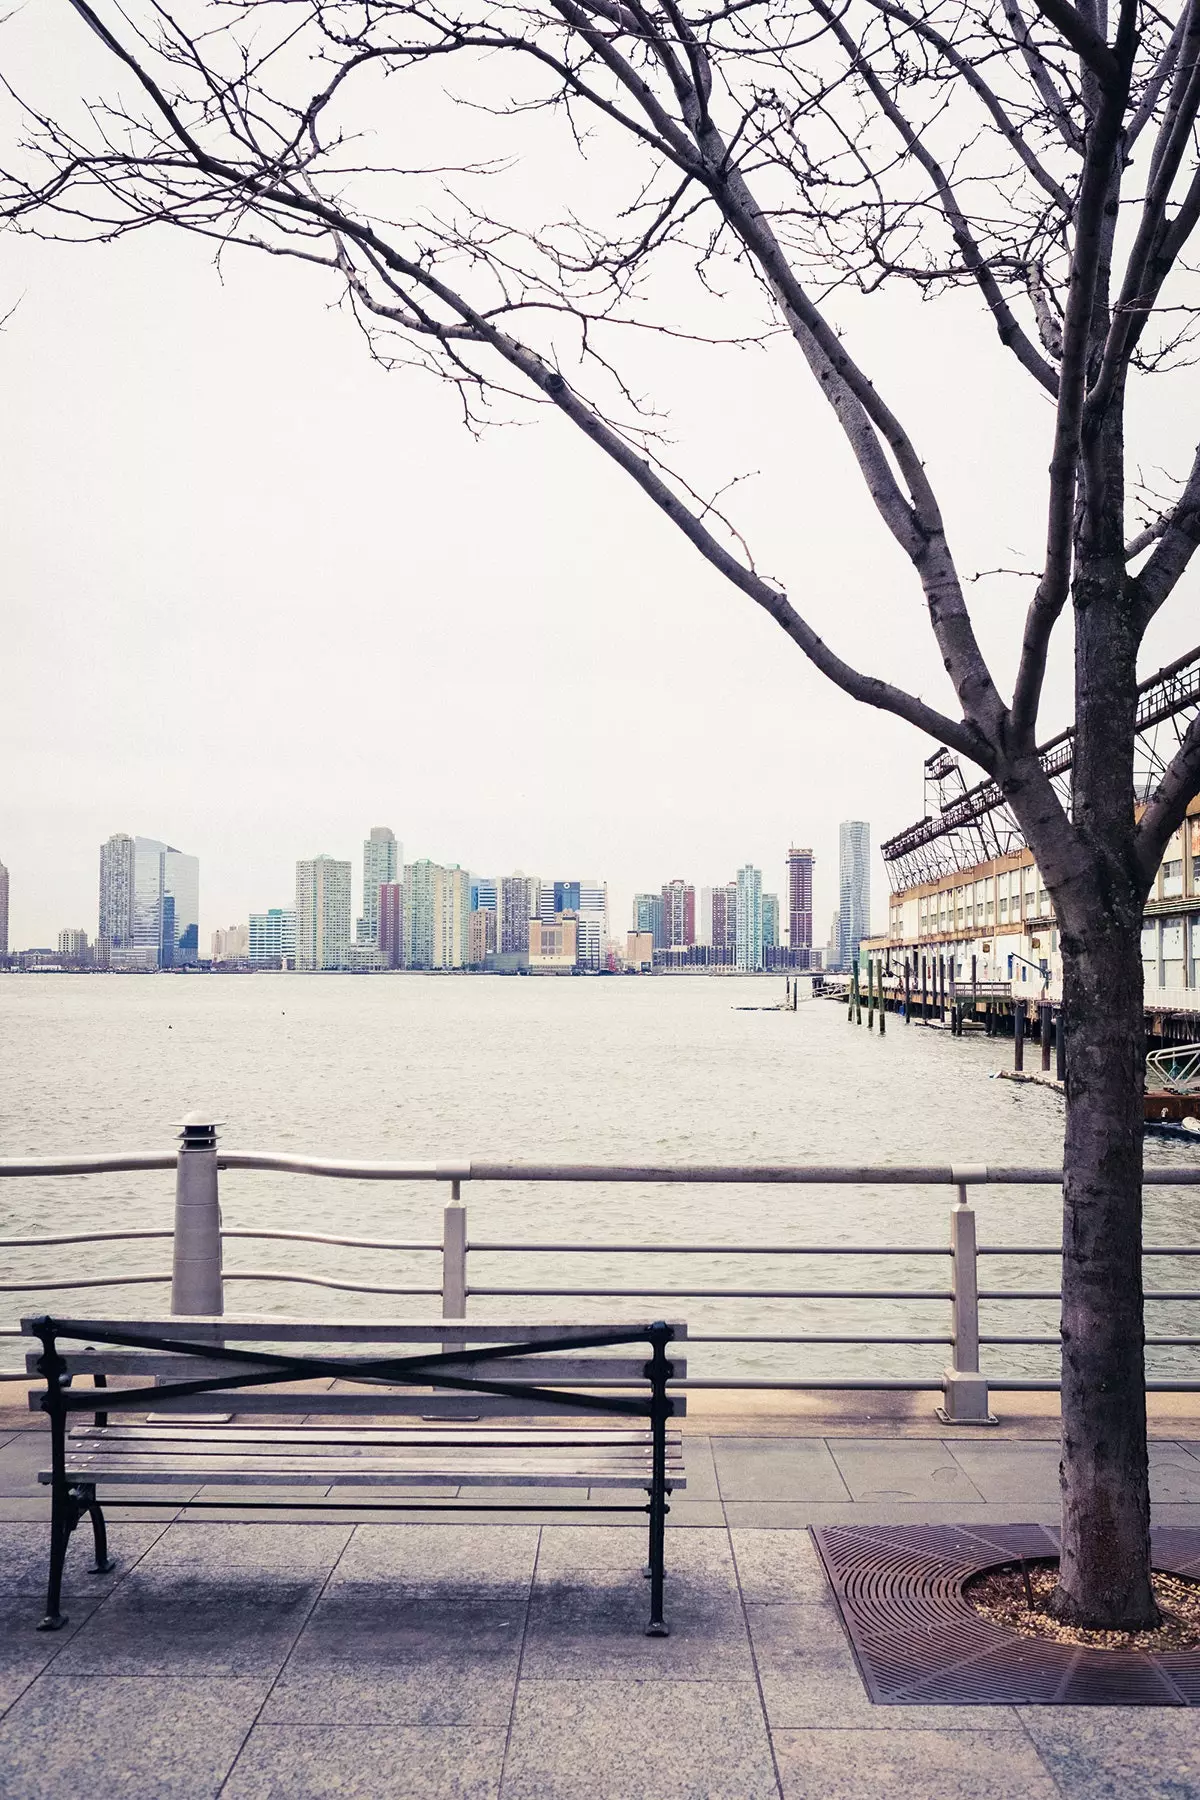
pixel 198 1277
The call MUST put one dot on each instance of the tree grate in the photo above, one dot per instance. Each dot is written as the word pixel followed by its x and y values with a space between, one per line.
pixel 919 1642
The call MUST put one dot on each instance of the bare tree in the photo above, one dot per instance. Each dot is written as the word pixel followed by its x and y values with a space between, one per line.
pixel 1044 161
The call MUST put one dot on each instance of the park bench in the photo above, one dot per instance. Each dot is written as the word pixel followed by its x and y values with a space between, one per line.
pixel 467 1388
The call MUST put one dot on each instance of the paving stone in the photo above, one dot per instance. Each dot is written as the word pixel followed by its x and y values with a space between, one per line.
pixel 779 1566
pixel 300 1549
pixel 628 1740
pixel 809 1678
pixel 25 1557
pixel 794 1470
pixel 476 1561
pixel 24 1650
pixel 1118 1752
pixel 136 1739
pixel 895 1512
pixel 376 1655
pixel 894 1764
pixel 20 1459
pixel 1011 1472
pixel 1174 1474
pixel 569 1549
pixel 315 1762
pixel 181 1620
pixel 907 1470
pixel 590 1625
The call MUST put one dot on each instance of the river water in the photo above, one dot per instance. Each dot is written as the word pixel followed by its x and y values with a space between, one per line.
pixel 502 1069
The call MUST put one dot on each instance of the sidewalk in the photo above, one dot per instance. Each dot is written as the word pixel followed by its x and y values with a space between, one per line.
pixel 458 1661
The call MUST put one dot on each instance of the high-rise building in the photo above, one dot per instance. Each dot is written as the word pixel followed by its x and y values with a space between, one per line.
pixel 484 894
pixel 800 903
pixel 322 913
pixel 591 923
pixel 231 944
pixel 383 858
pixel 437 916
pixel 833 949
pixel 273 937
pixel 73 948
pixel 483 935
pixel 519 896
pixel 179 938
pixel 3 911
pixel 114 930
pixel 149 902
pixel 770 921
pixel 648 915
pixel 704 916
pixel 749 918
pixel 679 914
pixel 854 888
pixel 391 924
pixel 724 918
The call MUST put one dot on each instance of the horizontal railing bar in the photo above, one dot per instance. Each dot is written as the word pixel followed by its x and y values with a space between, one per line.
pixel 719 1249
pixel 1056 1250
pixel 81 1237
pixel 1151 1343
pixel 38 1287
pixel 352 1287
pixel 767 1337
pixel 613 1293
pixel 1053 1294
pixel 118 1163
pixel 322 1237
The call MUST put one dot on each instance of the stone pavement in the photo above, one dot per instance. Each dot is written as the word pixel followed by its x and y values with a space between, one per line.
pixel 454 1660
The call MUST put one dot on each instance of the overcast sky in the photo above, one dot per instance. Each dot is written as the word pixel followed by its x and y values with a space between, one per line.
pixel 259 595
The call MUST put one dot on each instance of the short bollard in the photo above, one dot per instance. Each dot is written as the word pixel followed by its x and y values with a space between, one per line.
pixel 196 1286
pixel 964 1389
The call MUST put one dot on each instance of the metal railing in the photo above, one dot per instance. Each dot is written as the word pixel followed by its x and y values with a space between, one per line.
pixel 198 1277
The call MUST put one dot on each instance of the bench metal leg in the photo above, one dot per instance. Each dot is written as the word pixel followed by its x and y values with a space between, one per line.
pixel 63 1516
pixel 104 1563
pixel 657 1564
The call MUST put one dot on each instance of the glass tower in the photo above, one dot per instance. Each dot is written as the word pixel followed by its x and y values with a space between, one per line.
pixel 854 888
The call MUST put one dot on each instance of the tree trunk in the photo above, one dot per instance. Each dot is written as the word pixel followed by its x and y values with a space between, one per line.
pixel 1104 1578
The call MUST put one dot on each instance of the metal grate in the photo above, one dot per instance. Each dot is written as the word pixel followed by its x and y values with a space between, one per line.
pixel 918 1642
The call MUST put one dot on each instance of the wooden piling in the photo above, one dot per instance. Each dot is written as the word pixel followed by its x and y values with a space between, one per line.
pixel 1018 1034
pixel 1060 1047
pixel 907 994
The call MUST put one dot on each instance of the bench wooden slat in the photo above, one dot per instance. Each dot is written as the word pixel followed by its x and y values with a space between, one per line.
pixel 364 1403
pixel 536 1435
pixel 234 1329
pixel 546 1371
pixel 350 1474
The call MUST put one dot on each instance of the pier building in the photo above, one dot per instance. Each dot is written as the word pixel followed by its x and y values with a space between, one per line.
pixel 967 896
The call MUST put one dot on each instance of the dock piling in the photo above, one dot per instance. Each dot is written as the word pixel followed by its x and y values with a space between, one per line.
pixel 1018 1034
pixel 1044 1021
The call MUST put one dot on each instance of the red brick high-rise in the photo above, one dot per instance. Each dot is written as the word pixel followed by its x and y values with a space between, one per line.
pixel 391 923
pixel 679 914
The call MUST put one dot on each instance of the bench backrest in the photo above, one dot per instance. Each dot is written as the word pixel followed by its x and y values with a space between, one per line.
pixel 618 1371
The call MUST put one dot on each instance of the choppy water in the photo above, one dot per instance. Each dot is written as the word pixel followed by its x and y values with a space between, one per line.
pixel 502 1069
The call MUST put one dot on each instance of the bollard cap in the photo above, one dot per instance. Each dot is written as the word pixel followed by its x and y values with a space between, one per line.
pixel 199 1131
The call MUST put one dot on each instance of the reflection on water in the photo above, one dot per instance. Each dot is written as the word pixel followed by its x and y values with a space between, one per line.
pixel 575 1070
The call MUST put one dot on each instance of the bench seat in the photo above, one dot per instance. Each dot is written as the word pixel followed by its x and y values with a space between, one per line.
pixel 322 1456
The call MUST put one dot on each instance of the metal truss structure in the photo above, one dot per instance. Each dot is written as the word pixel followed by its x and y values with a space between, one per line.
pixel 964 826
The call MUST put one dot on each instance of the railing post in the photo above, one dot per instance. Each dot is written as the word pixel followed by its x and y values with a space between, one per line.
pixel 964 1389
pixel 196 1287
pixel 454 1255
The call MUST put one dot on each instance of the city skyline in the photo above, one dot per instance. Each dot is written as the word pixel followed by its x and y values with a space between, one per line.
pixel 278 891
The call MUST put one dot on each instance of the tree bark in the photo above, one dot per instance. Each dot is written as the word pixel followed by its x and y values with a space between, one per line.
pixel 1104 1578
